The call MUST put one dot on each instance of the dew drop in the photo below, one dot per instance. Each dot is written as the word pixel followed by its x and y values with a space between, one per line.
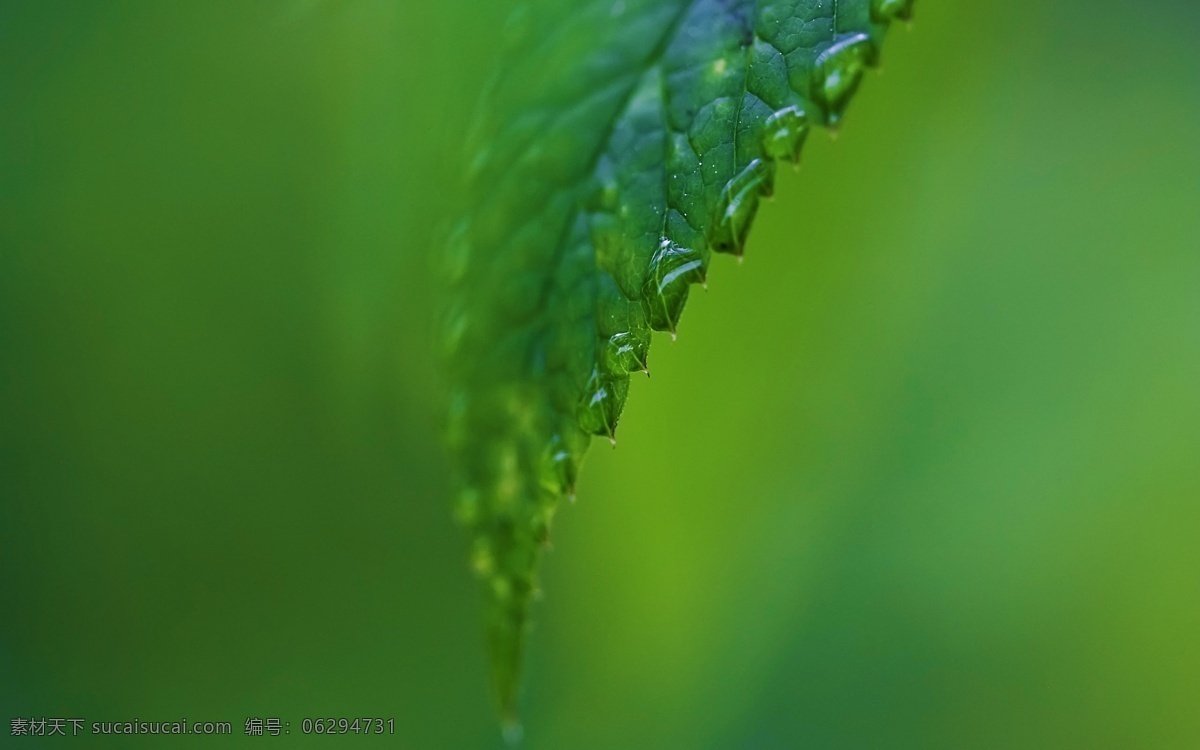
pixel 839 70
pixel 672 269
pixel 739 204
pixel 560 468
pixel 784 134
pixel 626 352
pixel 601 404
pixel 883 11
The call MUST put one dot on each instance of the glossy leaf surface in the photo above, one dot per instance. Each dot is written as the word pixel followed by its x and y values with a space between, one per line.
pixel 619 146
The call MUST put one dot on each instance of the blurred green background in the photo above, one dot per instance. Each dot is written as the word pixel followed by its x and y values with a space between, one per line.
pixel 924 473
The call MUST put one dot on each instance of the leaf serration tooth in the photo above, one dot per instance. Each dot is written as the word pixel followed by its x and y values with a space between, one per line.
pixel 673 269
pixel 625 352
pixel 603 398
pixel 784 134
pixel 739 204
pixel 838 70
pixel 560 467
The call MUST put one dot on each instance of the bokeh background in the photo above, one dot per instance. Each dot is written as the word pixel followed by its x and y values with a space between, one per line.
pixel 923 473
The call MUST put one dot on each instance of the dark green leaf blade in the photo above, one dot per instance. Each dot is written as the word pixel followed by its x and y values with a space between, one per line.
pixel 619 146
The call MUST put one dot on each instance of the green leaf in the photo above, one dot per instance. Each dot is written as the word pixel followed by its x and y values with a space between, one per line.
pixel 621 143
